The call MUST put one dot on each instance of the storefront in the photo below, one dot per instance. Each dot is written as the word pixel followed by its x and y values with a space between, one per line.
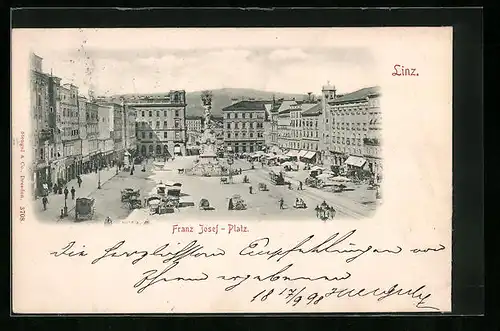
pixel 42 176
pixel 177 150
pixel 310 157
pixel 70 169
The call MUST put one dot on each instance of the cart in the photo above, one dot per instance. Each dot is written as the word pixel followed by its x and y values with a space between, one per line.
pixel 224 180
pixel 84 208
pixel 134 203
pixel 299 204
pixel 160 189
pixel 238 202
pixel 129 193
pixel 173 196
pixel 205 205
pixel 263 187
pixel 180 171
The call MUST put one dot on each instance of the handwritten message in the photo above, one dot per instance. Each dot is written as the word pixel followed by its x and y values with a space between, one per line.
pixel 282 279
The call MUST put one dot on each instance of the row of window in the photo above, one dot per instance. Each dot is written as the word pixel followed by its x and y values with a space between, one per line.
pixel 306 146
pixel 305 134
pixel 145 125
pixel 242 115
pixel 299 123
pixel 244 135
pixel 244 125
pixel 165 135
pixel 150 113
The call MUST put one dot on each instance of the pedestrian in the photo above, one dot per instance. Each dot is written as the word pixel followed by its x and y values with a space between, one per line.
pixel 231 205
pixel 73 193
pixel 55 188
pixel 250 189
pixel 45 201
pixel 131 171
pixel 66 193
pixel 79 180
pixel 281 203
pixel 300 185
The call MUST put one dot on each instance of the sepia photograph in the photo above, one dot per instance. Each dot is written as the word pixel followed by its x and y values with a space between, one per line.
pixel 273 170
pixel 166 133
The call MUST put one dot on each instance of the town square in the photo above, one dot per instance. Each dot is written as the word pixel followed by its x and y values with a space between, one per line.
pixel 214 153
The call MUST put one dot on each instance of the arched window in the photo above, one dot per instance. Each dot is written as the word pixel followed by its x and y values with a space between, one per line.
pixel 151 148
pixel 143 150
pixel 165 149
pixel 158 149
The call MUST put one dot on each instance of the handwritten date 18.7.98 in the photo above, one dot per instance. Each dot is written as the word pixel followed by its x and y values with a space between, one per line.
pixel 294 296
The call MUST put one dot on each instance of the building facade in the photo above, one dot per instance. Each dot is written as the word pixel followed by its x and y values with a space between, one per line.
pixel 244 126
pixel 311 121
pixel 194 126
pixel 41 138
pixel 70 127
pixel 90 160
pixel 353 129
pixel 106 143
pixel 130 127
pixel 160 123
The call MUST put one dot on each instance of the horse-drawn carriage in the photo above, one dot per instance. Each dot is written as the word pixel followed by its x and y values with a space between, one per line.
pixel 277 178
pixel 299 204
pixel 173 196
pixel 224 180
pixel 180 171
pixel 238 202
pixel 159 205
pixel 129 193
pixel 84 208
pixel 134 203
pixel 263 187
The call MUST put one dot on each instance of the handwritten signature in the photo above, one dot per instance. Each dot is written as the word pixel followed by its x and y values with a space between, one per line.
pixel 171 256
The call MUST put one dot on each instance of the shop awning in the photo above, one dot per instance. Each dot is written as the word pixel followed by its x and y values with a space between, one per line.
pixel 355 161
pixel 177 149
pixel 310 155
pixel 86 158
pixel 127 153
pixel 292 153
pixel 302 153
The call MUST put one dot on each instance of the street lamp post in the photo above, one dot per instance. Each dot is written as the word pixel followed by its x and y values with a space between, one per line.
pixel 99 171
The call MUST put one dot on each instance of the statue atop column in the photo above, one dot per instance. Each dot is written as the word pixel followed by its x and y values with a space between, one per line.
pixel 208 140
pixel 206 98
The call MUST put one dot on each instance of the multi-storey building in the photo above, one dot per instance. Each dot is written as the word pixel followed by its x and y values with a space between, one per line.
pixel 70 121
pixel 329 93
pixel 274 145
pixel 194 125
pixel 160 123
pixel 42 138
pixel 92 127
pixel 310 134
pixel 117 129
pixel 129 129
pixel 244 126
pixel 106 142
pixel 373 152
pixel 283 124
pixel 84 143
pixel 351 117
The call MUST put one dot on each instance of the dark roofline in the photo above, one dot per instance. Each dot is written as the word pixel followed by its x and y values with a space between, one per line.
pixel 246 105
pixel 358 95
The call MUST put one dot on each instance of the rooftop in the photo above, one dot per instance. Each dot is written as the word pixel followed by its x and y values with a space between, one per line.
pixel 250 105
pixel 358 95
pixel 313 110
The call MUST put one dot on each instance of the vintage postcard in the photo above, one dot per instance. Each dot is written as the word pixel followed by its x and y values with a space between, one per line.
pixel 236 170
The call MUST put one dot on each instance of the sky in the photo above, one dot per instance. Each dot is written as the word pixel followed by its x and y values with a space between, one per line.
pixel 118 61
